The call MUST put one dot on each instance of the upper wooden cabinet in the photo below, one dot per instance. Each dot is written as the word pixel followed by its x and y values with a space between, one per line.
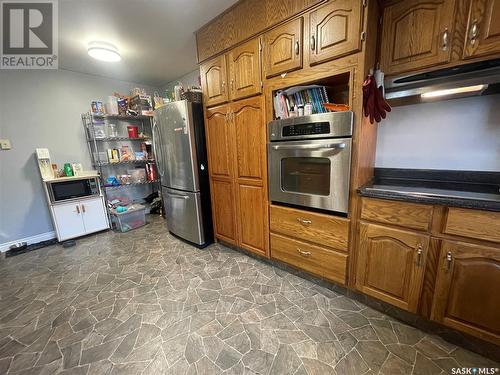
pixel 219 142
pixel 244 70
pixel 244 20
pixel 466 295
pixel 283 48
pixel 335 30
pixel 391 264
pixel 214 81
pixel 416 34
pixel 483 29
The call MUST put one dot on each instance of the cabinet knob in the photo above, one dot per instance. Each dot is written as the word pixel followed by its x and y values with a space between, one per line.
pixel 419 255
pixel 445 40
pixel 77 209
pixel 304 253
pixel 473 32
pixel 304 221
pixel 83 208
pixel 297 48
pixel 313 42
pixel 449 260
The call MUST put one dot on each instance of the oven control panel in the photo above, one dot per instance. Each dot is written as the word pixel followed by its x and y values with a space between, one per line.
pixel 306 129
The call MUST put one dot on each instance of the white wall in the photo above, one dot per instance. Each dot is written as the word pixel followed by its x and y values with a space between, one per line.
pixel 459 134
pixel 189 79
pixel 42 109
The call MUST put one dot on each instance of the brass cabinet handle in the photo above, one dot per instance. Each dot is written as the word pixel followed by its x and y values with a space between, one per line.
pixel 223 86
pixel 304 253
pixel 83 208
pixel 449 260
pixel 304 221
pixel 419 255
pixel 445 40
pixel 77 209
pixel 473 32
pixel 313 42
pixel 297 48
pixel 232 84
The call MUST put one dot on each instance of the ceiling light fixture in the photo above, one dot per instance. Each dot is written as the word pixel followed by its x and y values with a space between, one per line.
pixel 104 51
pixel 454 91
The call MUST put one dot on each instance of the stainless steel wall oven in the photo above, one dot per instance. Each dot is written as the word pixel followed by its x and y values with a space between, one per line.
pixel 309 160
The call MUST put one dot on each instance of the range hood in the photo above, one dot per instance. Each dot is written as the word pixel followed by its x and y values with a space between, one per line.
pixel 481 78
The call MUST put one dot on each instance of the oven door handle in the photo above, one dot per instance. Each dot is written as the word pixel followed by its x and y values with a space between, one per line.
pixel 336 146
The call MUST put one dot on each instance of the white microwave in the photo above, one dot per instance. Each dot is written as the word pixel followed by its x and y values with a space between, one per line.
pixel 72 188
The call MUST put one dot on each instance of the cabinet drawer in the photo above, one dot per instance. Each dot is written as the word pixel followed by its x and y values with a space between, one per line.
pixel 483 225
pixel 328 264
pixel 409 215
pixel 323 229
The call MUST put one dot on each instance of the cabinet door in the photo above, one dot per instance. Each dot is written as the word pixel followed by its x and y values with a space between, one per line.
pixel 218 142
pixel 391 264
pixel 252 218
pixel 244 70
pixel 250 139
pixel 250 174
pixel 483 29
pixel 223 210
pixel 68 220
pixel 94 215
pixel 416 34
pixel 213 80
pixel 335 30
pixel 283 48
pixel 467 295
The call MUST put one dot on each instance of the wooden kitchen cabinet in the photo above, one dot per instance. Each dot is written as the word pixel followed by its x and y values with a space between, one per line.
pixel 416 34
pixel 219 141
pixel 236 143
pixel 249 133
pixel 483 29
pixel 283 48
pixel 391 264
pixel 335 30
pixel 466 296
pixel 245 70
pixel 223 210
pixel 214 81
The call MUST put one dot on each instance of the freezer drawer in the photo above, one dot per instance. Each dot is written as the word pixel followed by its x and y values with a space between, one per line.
pixel 184 215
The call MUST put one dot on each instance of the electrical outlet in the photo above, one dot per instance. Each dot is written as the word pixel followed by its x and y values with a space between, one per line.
pixel 5 144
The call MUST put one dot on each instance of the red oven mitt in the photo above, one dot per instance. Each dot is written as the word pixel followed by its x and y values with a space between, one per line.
pixel 374 104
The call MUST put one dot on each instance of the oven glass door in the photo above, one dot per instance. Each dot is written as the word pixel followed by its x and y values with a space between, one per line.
pixel 64 190
pixel 306 175
pixel 313 173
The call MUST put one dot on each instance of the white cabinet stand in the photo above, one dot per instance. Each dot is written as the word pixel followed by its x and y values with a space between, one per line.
pixel 79 217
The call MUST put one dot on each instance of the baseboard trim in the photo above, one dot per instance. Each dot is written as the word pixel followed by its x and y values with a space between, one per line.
pixel 30 240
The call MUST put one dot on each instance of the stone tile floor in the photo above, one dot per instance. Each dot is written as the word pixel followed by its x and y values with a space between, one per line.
pixel 146 303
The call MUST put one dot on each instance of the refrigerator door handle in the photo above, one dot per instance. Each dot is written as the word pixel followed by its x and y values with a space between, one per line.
pixel 178 196
pixel 157 148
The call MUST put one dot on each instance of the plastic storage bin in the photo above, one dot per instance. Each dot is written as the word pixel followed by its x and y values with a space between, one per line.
pixel 134 217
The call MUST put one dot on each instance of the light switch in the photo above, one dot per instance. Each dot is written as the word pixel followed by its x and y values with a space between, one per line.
pixel 5 144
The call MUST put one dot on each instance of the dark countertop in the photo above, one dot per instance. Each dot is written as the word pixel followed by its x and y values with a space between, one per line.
pixel 466 189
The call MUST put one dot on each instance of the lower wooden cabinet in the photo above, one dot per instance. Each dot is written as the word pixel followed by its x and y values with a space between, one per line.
pixel 325 263
pixel 391 264
pixel 252 218
pixel 466 295
pixel 223 210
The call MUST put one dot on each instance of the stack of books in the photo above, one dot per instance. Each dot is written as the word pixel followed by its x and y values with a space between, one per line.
pixel 286 101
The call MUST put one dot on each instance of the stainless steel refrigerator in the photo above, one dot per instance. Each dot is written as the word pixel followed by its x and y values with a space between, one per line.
pixel 179 144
